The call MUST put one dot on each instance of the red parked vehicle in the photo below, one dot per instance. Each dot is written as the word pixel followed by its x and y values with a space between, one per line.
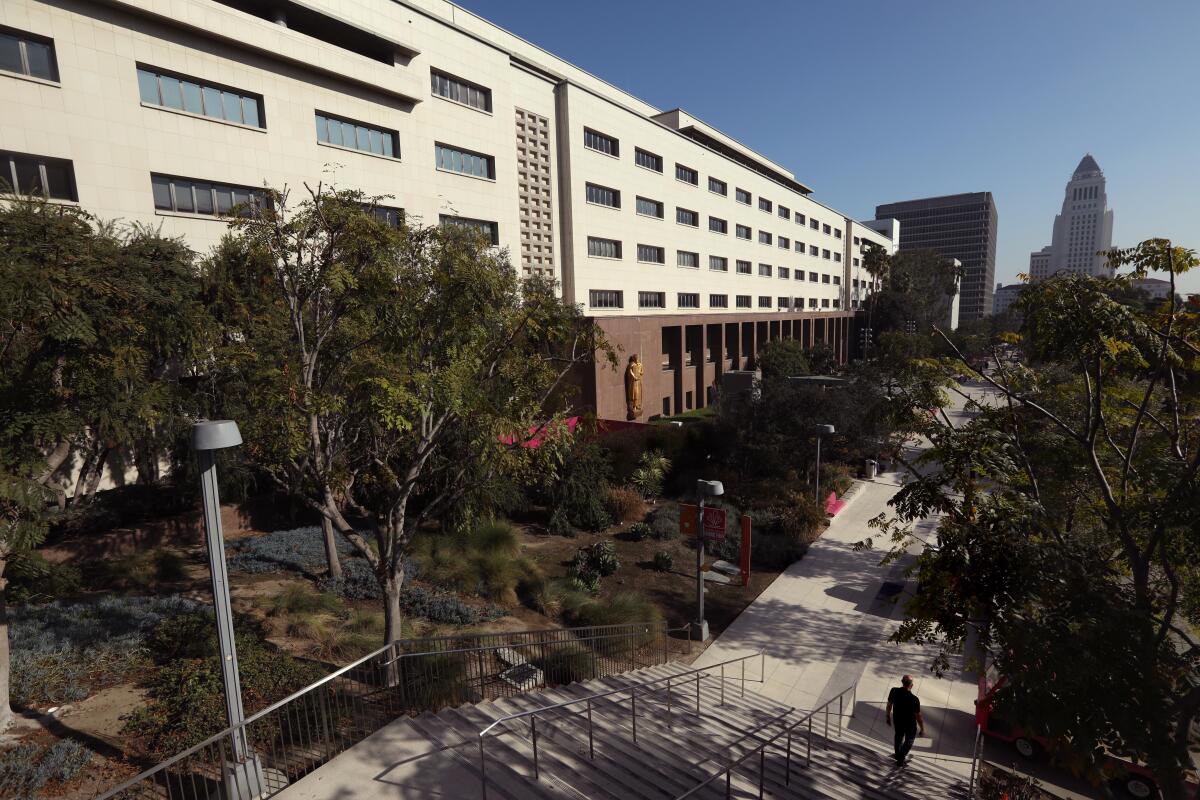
pixel 1134 780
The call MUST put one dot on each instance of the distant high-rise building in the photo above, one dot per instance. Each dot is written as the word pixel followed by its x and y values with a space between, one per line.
pixel 961 226
pixel 1082 231
pixel 1005 296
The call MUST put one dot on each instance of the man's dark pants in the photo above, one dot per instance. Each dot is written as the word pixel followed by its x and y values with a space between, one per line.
pixel 905 735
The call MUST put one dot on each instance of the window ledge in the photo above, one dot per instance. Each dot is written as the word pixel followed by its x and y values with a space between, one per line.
pixel 601 153
pixel 193 115
pixel 461 104
pixel 588 202
pixel 648 216
pixel 640 166
pixel 605 258
pixel 687 183
pixel 343 148
pixel 21 76
pixel 655 263
pixel 194 215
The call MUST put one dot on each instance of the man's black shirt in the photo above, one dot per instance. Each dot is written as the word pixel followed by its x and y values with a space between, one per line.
pixel 905 707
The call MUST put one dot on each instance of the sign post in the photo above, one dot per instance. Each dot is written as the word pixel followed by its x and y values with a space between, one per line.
pixel 745 550
pixel 705 523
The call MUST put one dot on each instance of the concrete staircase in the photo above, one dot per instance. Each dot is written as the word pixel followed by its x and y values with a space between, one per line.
pixel 437 754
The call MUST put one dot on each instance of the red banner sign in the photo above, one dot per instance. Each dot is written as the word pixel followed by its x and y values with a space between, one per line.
pixel 713 526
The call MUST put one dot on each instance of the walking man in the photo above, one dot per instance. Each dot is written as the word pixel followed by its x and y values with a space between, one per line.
pixel 907 710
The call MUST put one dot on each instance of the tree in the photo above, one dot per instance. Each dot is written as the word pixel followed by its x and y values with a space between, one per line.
pixel 1067 541
pixel 95 325
pixel 782 358
pixel 918 287
pixel 395 374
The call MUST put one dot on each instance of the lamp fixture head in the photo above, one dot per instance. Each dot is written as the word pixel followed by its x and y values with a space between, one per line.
pixel 215 434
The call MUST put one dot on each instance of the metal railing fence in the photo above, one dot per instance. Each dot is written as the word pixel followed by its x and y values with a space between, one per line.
pixel 646 688
pixel 298 734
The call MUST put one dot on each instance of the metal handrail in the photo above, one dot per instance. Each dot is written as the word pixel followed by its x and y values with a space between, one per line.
pixel 976 766
pixel 609 632
pixel 762 748
pixel 533 713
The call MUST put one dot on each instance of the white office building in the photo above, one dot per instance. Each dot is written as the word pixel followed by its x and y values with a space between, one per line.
pixel 687 246
pixel 1082 230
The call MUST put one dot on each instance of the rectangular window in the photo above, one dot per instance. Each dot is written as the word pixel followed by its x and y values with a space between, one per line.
pixel 784 302
pixel 742 232
pixel 825 254
pixel 651 254
pixel 812 302
pixel 797 303
pixel 162 89
pixel 785 212
pixel 799 218
pixel 718 186
pixel 856 240
pixel 764 204
pixel 718 263
pixel 688 299
pixel 603 248
pixel 824 302
pixel 812 223
pixel 799 274
pixel 718 225
pixel 489 230
pixel 744 268
pixel 837 280
pixel 742 196
pixel 855 262
pixel 764 270
pixel 785 273
pixel 837 257
pixel 785 243
pixel 603 196
pixel 27 54
pixel 687 259
pixel 812 277
pixel 800 248
pixel 718 301
pixel 188 196
pixel 652 299
pixel 594 140
pixel 837 303
pixel 644 158
pixel 464 162
pixel 649 208
pixel 686 216
pixel 824 279
pixel 813 250
pixel 837 233
pixel 460 91
pixel 764 237
pixel 743 301
pixel 606 298
pixel 53 178
pixel 764 301
pixel 687 175
pixel 357 136
pixel 825 229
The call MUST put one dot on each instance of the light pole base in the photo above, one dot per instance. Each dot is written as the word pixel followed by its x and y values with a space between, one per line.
pixel 243 780
pixel 699 631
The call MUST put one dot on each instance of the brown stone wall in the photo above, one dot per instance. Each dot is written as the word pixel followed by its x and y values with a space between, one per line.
pixel 702 346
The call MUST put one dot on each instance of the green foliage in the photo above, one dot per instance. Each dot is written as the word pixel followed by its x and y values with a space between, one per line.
pixel 639 531
pixel 782 358
pixel 33 579
pixel 186 698
pixel 600 558
pixel 664 522
pixel 559 525
pixel 138 572
pixel 581 491
pixel 433 681
pixel 567 663
pixel 581 610
pixel 298 598
pixel 822 359
pixel 486 561
pixel 27 768
pixel 650 473
pixel 663 561
pixel 1066 538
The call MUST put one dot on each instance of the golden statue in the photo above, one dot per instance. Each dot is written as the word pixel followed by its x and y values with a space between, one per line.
pixel 633 387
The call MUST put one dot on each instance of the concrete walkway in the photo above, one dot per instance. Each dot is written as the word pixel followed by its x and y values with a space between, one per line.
pixel 824 624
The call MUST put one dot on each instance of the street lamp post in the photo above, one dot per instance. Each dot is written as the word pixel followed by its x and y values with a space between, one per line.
pixel 243 772
pixel 703 489
pixel 821 430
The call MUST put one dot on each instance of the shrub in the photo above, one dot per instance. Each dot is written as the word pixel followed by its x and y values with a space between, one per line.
pixel 299 550
pixel 559 525
pixel 664 522
pixel 651 472
pixel 298 598
pixel 26 768
pixel 438 607
pixel 639 531
pixel 433 681
pixel 599 558
pixel 663 561
pixel 186 697
pixel 33 579
pixel 626 504
pixel 835 477
pixel 620 609
pixel 357 582
pixel 581 493
pixel 66 651
pixel 584 581
pixel 801 518
pixel 567 663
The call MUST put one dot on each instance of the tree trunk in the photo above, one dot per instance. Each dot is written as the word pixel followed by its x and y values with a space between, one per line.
pixel 392 616
pixel 89 491
pixel 5 709
pixel 331 553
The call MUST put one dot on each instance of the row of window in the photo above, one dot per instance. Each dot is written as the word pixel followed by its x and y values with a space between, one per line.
pixel 615 298
pixel 653 254
pixel 611 146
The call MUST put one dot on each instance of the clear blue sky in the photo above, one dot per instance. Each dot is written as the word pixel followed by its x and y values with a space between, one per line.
pixel 871 102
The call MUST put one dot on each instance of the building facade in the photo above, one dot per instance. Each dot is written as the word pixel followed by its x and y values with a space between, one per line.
pixel 690 249
pixel 1005 296
pixel 961 226
pixel 1082 230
